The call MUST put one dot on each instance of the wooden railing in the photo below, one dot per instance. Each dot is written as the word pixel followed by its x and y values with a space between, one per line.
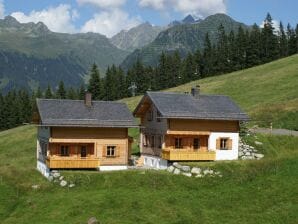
pixel 187 155
pixel 69 162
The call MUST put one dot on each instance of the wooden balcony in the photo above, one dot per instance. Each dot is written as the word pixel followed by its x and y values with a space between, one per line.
pixel 187 155
pixel 72 163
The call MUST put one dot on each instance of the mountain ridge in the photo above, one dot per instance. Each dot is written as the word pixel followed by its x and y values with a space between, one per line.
pixel 183 38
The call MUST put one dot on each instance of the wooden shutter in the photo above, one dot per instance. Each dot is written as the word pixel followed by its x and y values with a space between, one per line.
pixel 118 148
pixel 229 144
pixel 218 143
pixel 104 151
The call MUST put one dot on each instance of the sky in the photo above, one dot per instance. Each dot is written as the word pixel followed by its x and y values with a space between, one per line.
pixel 108 17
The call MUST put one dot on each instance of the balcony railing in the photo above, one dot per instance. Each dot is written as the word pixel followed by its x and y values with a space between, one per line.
pixel 72 163
pixel 187 155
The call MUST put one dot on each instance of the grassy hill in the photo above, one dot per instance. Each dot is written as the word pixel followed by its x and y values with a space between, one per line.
pixel 263 191
pixel 268 93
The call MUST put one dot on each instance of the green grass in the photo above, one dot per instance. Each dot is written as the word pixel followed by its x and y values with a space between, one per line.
pixel 262 191
pixel 268 93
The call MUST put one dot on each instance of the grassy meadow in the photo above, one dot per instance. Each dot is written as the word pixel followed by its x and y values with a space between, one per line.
pixel 263 191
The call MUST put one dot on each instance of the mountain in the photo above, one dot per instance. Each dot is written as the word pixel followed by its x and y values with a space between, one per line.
pixel 136 37
pixel 32 55
pixel 184 38
pixel 189 19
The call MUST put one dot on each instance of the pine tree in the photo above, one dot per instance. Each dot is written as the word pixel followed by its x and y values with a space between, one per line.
pixel 38 93
pixel 222 51
pixel 283 42
pixel 95 86
pixel 71 94
pixel 269 41
pixel 81 92
pixel 61 93
pixel 292 46
pixel 48 93
pixel 208 57
pixel 2 118
pixel 296 31
pixel 254 47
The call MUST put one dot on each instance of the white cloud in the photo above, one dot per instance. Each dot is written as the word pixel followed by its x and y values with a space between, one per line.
pixel 155 4
pixel 201 8
pixel 2 9
pixel 275 24
pixel 110 22
pixel 57 19
pixel 104 4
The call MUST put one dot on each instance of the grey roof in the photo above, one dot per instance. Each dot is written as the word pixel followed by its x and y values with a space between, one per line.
pixel 214 107
pixel 55 112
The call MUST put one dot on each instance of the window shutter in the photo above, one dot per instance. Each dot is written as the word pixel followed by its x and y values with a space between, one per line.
pixel 229 144
pixel 218 143
pixel 118 151
pixel 104 151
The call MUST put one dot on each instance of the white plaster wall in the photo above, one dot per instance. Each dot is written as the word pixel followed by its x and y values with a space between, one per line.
pixel 41 167
pixel 112 168
pixel 224 154
pixel 155 162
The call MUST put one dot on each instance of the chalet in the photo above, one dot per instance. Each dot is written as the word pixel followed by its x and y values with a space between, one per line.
pixel 80 134
pixel 188 127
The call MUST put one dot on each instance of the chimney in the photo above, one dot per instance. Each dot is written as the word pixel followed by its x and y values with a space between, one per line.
pixel 195 91
pixel 88 99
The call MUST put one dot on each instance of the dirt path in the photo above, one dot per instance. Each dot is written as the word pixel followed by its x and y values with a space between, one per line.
pixel 274 131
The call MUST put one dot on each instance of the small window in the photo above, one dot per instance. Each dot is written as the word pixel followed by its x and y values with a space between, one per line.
pixel 158 115
pixel 152 141
pixel 223 143
pixel 84 151
pixel 150 115
pixel 196 143
pixel 159 141
pixel 64 151
pixel 111 151
pixel 178 143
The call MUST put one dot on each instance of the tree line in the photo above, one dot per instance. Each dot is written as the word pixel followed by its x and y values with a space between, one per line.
pixel 231 52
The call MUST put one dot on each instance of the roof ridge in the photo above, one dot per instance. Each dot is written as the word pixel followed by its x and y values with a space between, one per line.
pixel 100 101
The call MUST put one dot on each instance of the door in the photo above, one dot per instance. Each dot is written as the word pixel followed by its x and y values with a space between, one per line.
pixel 84 151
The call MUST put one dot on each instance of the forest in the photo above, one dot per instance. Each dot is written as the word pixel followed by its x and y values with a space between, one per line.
pixel 232 51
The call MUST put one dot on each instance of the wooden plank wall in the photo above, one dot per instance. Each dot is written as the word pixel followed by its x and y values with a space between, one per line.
pixel 88 133
pixel 203 125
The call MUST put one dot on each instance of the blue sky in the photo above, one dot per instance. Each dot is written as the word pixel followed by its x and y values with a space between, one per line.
pixel 110 16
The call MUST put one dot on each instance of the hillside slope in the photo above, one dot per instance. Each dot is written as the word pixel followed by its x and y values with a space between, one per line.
pixel 268 93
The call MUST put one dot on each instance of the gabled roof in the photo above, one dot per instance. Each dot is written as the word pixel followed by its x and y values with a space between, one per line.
pixel 185 106
pixel 56 112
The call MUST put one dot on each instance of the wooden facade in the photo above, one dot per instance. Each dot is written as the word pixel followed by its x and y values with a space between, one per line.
pixel 78 147
pixel 192 134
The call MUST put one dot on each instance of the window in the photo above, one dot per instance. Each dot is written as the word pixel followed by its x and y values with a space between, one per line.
pixel 223 143
pixel 152 141
pixel 196 143
pixel 64 151
pixel 84 151
pixel 159 141
pixel 178 143
pixel 145 140
pixel 150 115
pixel 111 151
pixel 158 115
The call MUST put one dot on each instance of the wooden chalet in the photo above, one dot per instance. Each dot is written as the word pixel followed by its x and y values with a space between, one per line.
pixel 80 134
pixel 188 127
